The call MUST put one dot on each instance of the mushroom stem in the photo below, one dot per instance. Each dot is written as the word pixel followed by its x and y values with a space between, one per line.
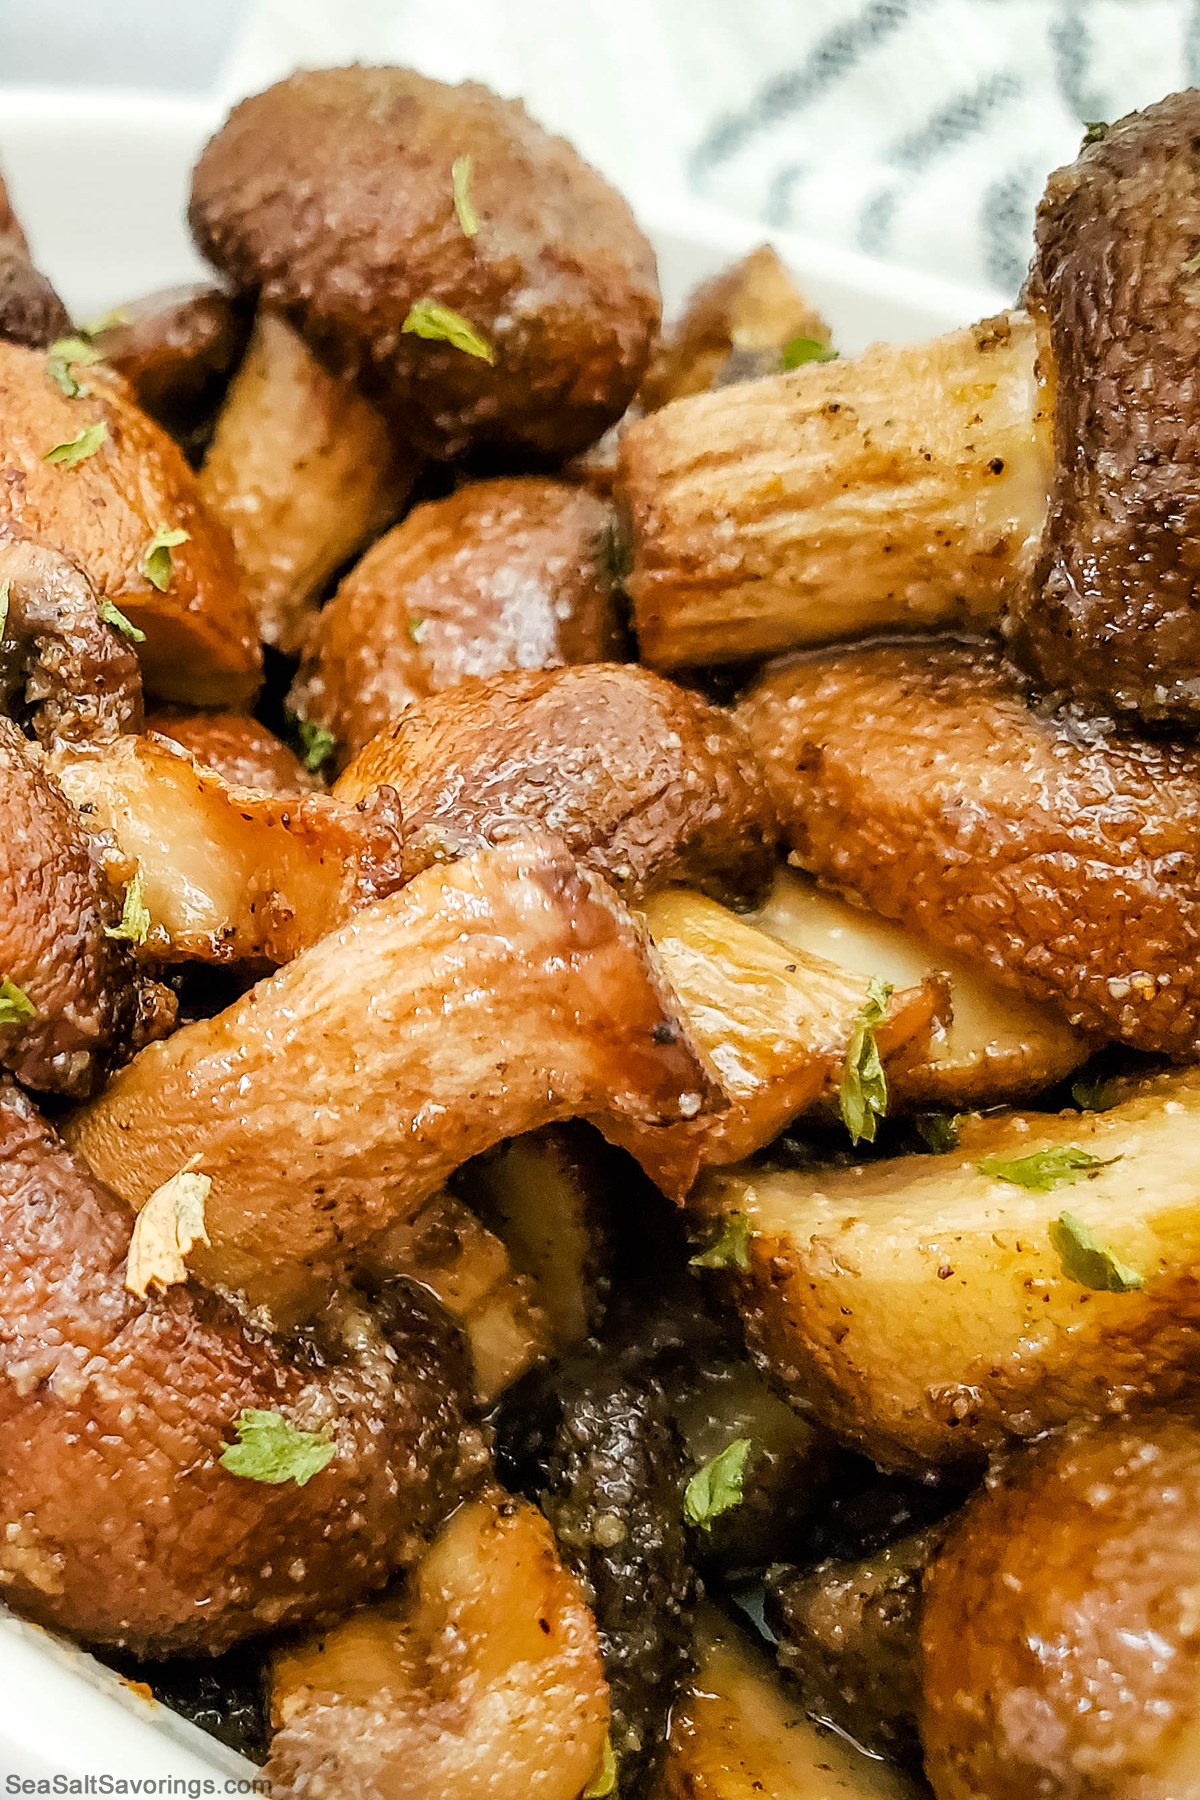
pixel 901 489
pixel 486 998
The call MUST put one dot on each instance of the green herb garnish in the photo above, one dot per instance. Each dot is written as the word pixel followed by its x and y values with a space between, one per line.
pixel 716 1487
pixel 468 218
pixel 1089 1262
pixel 135 915
pixel 1192 265
pixel 78 449
pixel 939 1132
pixel 1095 1093
pixel 862 1096
pixel 803 350
pixel 59 359
pixel 112 615
pixel 271 1449
pixel 417 629
pixel 317 742
pixel 614 555
pixel 604 1781
pixel 1094 132
pixel 728 1245
pixel 1044 1170
pixel 5 591
pixel 156 564
pixel 16 1008
pixel 107 321
pixel 430 319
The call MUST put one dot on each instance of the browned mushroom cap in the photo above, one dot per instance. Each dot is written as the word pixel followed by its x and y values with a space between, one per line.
pixel 63 667
pixel 1060 1630
pixel 176 349
pixel 54 904
pixel 242 751
pixel 509 574
pixel 1113 616
pixel 120 1523
pixel 917 778
pixel 333 194
pixel 644 781
pixel 30 311
pixel 89 475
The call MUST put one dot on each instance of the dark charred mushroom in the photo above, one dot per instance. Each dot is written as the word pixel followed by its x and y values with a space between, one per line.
pixel 335 195
pixel 644 781
pixel 31 313
pixel 507 574
pixel 63 668
pixel 121 1524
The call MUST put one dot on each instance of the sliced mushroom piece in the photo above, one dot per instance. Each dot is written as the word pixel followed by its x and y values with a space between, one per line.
pixel 468 1269
pixel 930 1309
pixel 1069 871
pixel 740 1734
pixel 510 300
pixel 92 478
pixel 776 1025
pixel 302 472
pixel 61 665
pixel 848 1634
pixel 64 981
pixel 506 574
pixel 899 490
pixel 31 313
pixel 177 349
pixel 735 327
pixel 120 1522
pixel 991 1045
pixel 1060 1631
pixel 483 1682
pixel 593 1442
pixel 644 781
pixel 228 874
pixel 488 997
pixel 243 752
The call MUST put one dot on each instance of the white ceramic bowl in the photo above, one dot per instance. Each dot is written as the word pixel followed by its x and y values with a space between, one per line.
pixel 100 183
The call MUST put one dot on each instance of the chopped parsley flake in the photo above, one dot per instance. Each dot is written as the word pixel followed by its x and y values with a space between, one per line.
pixel 78 449
pixel 1094 132
pixel 5 591
pixel 604 1781
pixel 112 615
pixel 60 357
pixel 717 1487
pixel 468 218
pixel 156 565
pixel 728 1246
pixel 1095 1093
pixel 1089 1262
pixel 430 319
pixel 106 322
pixel 863 1094
pixel 271 1449
pixel 803 350
pixel 417 629
pixel 16 1008
pixel 317 743
pixel 939 1131
pixel 1043 1170
pixel 135 915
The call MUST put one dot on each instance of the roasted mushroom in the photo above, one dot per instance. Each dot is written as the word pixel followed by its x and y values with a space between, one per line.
pixel 512 301
pixel 64 670
pixel 310 1101
pixel 930 1309
pixel 177 350
pixel 302 472
pixel 506 574
pixel 243 752
pixel 125 1520
pixel 644 782
pixel 482 1682
pixel 918 779
pixel 31 313
pixel 96 481
pixel 1062 1647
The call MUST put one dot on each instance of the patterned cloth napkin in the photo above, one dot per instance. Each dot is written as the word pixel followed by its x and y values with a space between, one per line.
pixel 919 131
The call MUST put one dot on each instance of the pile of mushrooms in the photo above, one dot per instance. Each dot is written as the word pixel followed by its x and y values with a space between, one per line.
pixel 519 1115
